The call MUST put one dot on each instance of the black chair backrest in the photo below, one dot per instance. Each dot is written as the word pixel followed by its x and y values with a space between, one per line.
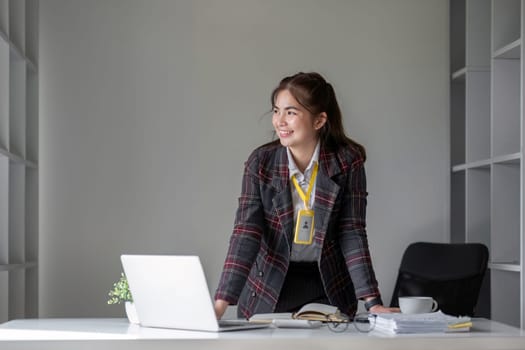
pixel 450 273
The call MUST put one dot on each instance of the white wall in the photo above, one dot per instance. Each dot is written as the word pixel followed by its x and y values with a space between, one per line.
pixel 149 109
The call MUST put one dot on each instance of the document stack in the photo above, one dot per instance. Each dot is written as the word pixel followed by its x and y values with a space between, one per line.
pixel 434 322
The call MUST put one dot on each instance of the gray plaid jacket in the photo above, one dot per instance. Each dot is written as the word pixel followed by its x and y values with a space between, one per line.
pixel 259 252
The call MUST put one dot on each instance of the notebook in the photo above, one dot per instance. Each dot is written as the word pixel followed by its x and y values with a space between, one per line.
pixel 170 291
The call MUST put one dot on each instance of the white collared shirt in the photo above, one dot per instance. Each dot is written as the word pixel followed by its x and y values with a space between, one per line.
pixel 301 252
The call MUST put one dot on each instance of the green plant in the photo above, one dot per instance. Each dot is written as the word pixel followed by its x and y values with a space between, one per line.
pixel 120 292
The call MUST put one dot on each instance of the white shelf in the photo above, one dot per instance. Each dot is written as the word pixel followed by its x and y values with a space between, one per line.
pixel 513 158
pixel 19 158
pixel 511 267
pixel 17 53
pixel 480 164
pixel 487 133
pixel 13 267
pixel 510 51
pixel 460 74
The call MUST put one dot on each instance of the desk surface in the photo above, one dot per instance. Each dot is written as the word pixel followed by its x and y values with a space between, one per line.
pixel 107 332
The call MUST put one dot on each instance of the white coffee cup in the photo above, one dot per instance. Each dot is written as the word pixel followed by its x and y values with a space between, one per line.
pixel 417 305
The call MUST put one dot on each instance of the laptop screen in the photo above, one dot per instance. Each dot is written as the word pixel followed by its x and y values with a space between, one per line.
pixel 170 291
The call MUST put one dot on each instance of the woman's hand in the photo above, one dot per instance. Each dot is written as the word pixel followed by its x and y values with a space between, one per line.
pixel 380 309
pixel 220 307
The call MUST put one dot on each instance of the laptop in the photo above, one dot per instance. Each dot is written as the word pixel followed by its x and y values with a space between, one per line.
pixel 170 291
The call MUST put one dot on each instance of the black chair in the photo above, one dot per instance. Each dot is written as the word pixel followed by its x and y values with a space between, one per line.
pixel 450 273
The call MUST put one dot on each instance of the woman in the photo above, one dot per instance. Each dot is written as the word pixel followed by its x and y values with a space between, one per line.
pixel 299 234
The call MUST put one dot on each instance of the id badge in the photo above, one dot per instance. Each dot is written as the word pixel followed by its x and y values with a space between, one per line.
pixel 304 228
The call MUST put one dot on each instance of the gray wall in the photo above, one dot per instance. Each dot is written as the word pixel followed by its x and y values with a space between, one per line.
pixel 149 109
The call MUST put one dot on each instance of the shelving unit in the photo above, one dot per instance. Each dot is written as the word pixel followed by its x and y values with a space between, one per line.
pixel 471 128
pixel 18 159
pixel 487 145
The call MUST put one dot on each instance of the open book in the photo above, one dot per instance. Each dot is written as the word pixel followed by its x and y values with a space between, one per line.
pixel 309 312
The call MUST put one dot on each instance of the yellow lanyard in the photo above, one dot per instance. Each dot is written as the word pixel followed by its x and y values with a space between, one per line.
pixel 306 197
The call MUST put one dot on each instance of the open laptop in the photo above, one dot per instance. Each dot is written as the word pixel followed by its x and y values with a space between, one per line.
pixel 170 291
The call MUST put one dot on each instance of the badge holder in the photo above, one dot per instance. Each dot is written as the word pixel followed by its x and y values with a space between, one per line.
pixel 304 227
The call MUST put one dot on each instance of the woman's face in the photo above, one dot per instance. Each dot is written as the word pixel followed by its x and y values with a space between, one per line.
pixel 294 125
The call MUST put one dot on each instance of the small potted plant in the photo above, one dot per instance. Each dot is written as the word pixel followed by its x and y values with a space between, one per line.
pixel 121 294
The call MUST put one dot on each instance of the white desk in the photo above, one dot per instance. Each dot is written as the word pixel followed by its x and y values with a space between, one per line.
pixel 110 333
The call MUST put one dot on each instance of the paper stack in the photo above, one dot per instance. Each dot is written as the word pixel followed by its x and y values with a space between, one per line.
pixel 434 322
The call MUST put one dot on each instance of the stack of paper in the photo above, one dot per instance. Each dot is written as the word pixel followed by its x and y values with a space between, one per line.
pixel 435 322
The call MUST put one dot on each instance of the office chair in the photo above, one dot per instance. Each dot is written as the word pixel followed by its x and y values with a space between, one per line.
pixel 450 273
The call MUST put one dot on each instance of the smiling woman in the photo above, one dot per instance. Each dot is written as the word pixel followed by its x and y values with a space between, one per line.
pixel 296 127
pixel 299 234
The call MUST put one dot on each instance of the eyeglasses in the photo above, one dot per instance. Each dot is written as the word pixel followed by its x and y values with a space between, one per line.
pixel 363 322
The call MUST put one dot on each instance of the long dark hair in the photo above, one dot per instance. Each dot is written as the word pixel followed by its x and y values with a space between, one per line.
pixel 315 94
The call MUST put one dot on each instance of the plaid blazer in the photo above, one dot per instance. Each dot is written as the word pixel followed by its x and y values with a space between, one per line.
pixel 260 245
